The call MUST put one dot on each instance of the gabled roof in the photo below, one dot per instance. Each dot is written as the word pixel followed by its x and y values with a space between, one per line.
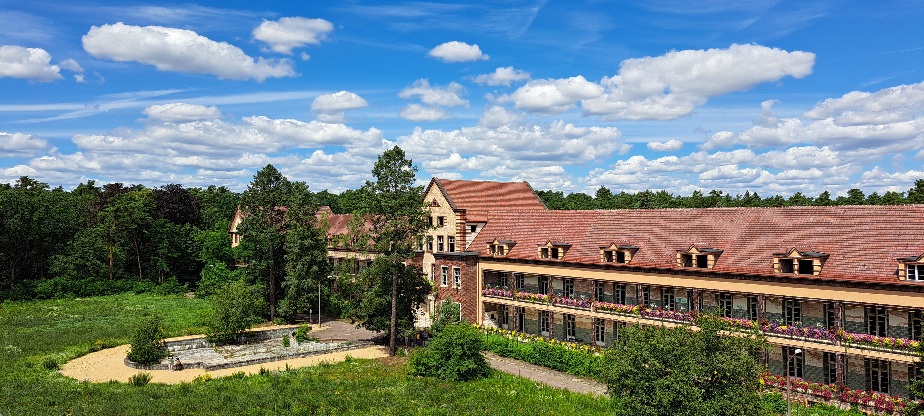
pixel 479 197
pixel 863 243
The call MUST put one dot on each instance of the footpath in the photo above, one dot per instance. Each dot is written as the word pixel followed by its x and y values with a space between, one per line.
pixel 546 376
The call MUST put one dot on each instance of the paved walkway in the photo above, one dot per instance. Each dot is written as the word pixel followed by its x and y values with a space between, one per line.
pixel 546 376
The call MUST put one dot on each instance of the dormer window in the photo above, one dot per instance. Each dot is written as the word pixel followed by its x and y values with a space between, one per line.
pixel 553 250
pixel 500 248
pixel 614 253
pixel 698 257
pixel 806 263
pixel 911 268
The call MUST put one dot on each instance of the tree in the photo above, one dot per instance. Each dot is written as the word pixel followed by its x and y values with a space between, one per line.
pixel 399 220
pixel 916 193
pixel 148 342
pixel 264 204
pixel 177 204
pixel 677 371
pixel 306 265
pixel 235 308
pixel 374 309
pixel 454 355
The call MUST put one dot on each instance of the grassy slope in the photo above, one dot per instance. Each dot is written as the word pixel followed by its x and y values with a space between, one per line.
pixel 32 333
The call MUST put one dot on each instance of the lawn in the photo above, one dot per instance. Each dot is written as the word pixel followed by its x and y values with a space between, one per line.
pixel 37 336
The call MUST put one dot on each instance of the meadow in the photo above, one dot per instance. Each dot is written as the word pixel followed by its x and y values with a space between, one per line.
pixel 38 336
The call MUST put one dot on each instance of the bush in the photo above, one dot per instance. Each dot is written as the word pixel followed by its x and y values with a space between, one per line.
pixel 301 334
pixel 148 342
pixel 454 355
pixel 214 277
pixel 447 312
pixel 236 307
pixel 140 379
pixel 50 363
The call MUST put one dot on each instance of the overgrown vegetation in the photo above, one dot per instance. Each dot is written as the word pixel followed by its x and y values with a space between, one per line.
pixel 454 355
pixel 236 307
pixel 147 345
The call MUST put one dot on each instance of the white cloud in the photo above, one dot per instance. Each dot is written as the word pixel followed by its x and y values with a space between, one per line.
pixel 417 112
pixel 502 76
pixel 458 52
pixel 672 85
pixel 497 116
pixel 180 50
pixel 20 145
pixel 550 96
pixel 292 32
pixel 331 107
pixel 33 64
pixel 181 112
pixel 70 65
pixel 449 97
pixel 668 146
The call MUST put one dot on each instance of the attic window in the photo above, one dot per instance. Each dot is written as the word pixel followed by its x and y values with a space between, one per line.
pixel 806 263
pixel 911 269
pixel 500 248
pixel 700 258
pixel 614 253
pixel 553 250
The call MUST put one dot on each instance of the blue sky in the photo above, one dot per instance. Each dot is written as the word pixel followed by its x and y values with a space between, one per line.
pixel 768 96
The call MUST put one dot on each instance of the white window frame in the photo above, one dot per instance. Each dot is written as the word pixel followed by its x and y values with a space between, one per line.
pixel 519 281
pixel 439 244
pixel 599 332
pixel 568 288
pixel 457 277
pixel 451 243
pixel 570 327
pixel 914 272
pixel 444 279
pixel 545 323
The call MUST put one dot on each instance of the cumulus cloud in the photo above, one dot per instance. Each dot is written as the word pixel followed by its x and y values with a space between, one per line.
pixel 502 76
pixel 450 96
pixel 181 112
pixel 550 96
pixel 289 33
pixel 70 65
pixel 20 145
pixel 33 64
pixel 672 85
pixel 457 52
pixel 668 146
pixel 497 116
pixel 417 112
pixel 180 50
pixel 331 107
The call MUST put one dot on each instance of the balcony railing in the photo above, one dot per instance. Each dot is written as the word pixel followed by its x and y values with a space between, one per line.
pixel 879 401
pixel 837 337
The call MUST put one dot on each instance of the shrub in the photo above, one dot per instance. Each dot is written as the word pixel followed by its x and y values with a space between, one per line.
pixel 148 342
pixel 285 341
pixel 140 379
pixel 202 378
pixel 453 355
pixel 447 312
pixel 236 307
pixel 214 277
pixel 50 363
pixel 301 334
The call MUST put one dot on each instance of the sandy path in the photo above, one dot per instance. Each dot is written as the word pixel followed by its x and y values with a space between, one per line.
pixel 109 364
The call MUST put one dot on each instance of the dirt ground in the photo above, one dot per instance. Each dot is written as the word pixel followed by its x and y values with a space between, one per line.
pixel 109 364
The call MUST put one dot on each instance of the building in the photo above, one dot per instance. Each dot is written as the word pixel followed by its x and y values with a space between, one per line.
pixel 843 284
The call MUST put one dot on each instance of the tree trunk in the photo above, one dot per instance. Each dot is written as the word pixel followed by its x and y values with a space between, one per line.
pixel 392 341
pixel 138 256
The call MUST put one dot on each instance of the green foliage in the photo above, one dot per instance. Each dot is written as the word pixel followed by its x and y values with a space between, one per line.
pixel 148 342
pixel 677 371
pixel 50 363
pixel 580 361
pixel 301 334
pixel 454 355
pixel 374 309
pixel 916 387
pixel 306 266
pixel 236 307
pixel 285 343
pixel 214 277
pixel 447 313
pixel 140 379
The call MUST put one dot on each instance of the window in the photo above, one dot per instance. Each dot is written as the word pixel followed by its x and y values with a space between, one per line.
pixel 430 221
pixel 829 367
pixel 646 295
pixel 915 325
pixel 830 313
pixel 792 312
pixel 877 375
pixel 445 276
pixel 503 279
pixel 497 250
pixel 618 327
pixel 608 256
pixel 667 299
pixel 599 332
pixel 568 291
pixel 520 317
pixel 555 252
pixel 429 243
pixel 686 260
pixel 502 319
pixel 543 285
pixel 598 290
pixel 439 243
pixel 914 373
pixel 621 257
pixel 915 272
pixel 877 321
pixel 794 362
pixel 457 277
pixel 440 221
pixel 544 323
pixel 753 308
pixel 617 253
pixel 806 267
pixel 569 327
pixel 619 294
pixel 452 243
pixel 787 266
pixel 724 302
pixel 519 280
pixel 702 261
pixel 544 252
pixel 472 228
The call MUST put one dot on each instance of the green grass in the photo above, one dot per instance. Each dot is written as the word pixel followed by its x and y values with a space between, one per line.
pixel 32 333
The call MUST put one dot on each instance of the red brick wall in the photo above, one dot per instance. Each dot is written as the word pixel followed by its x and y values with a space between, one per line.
pixel 467 295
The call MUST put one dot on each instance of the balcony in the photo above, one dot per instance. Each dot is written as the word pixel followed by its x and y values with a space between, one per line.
pixel 837 337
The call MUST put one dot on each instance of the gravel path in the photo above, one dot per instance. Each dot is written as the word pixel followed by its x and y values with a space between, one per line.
pixel 546 376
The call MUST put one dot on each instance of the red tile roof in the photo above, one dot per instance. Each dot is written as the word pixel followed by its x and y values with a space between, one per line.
pixel 479 197
pixel 862 242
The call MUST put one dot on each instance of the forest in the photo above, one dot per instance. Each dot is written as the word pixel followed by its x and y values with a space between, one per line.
pixel 96 240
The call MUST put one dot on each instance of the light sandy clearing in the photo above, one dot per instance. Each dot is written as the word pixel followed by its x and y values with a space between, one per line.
pixel 109 364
